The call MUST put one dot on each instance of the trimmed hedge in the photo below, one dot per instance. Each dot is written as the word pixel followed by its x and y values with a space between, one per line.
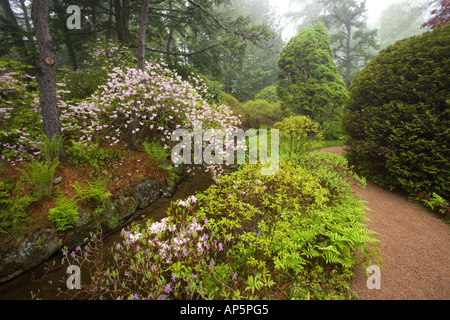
pixel 398 118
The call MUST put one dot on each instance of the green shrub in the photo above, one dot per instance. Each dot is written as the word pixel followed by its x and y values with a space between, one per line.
pixel 398 120
pixel 261 113
pixel 309 82
pixel 40 175
pixel 51 149
pixel 332 130
pixel 65 214
pixel 269 94
pixel 236 107
pixel 436 203
pixel 80 154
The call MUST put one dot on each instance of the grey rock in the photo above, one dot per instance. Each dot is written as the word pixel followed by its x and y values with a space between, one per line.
pixel 147 192
pixel 122 208
pixel 57 180
pixel 35 249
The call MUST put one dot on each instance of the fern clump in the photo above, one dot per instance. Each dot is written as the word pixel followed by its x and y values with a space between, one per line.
pixel 65 214
pixel 13 207
pixel 40 175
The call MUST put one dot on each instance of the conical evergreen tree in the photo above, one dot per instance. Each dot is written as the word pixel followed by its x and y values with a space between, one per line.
pixel 308 79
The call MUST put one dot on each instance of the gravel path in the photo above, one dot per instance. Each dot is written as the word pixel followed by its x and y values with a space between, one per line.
pixel 415 246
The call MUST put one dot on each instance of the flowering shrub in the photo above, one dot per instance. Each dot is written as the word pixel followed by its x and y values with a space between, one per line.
pixel 100 58
pixel 167 259
pixel 155 101
pixel 20 117
pixel 299 135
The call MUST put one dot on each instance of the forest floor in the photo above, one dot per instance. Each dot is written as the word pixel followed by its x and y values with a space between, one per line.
pixel 415 247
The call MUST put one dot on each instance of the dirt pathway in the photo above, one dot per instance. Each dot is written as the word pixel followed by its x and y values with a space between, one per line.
pixel 415 246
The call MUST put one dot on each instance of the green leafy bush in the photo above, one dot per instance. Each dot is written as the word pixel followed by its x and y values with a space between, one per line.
pixel 51 149
pixel 65 214
pixel 398 118
pixel 308 80
pixel 332 130
pixel 298 134
pixel 95 191
pixel 436 203
pixel 237 107
pixel 156 152
pixel 269 94
pixel 261 113
pixel 80 154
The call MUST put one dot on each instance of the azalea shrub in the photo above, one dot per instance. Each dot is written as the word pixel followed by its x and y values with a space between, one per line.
pixel 249 236
pixel 146 103
pixel 20 117
pixel 149 103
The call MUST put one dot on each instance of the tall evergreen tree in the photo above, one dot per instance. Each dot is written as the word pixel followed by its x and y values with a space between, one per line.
pixel 308 79
pixel 400 21
pixel 354 45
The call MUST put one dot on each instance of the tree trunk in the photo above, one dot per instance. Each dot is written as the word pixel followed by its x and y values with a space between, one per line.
pixel 122 21
pixel 25 15
pixel 142 30
pixel 46 70
pixel 9 15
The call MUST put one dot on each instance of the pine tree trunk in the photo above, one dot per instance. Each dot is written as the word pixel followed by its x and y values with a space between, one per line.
pixel 9 15
pixel 25 15
pixel 46 70
pixel 122 21
pixel 142 30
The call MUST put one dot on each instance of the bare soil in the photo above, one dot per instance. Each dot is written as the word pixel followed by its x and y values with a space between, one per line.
pixel 415 247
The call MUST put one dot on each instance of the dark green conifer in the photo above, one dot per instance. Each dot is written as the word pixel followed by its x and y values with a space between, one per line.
pixel 398 116
pixel 308 80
